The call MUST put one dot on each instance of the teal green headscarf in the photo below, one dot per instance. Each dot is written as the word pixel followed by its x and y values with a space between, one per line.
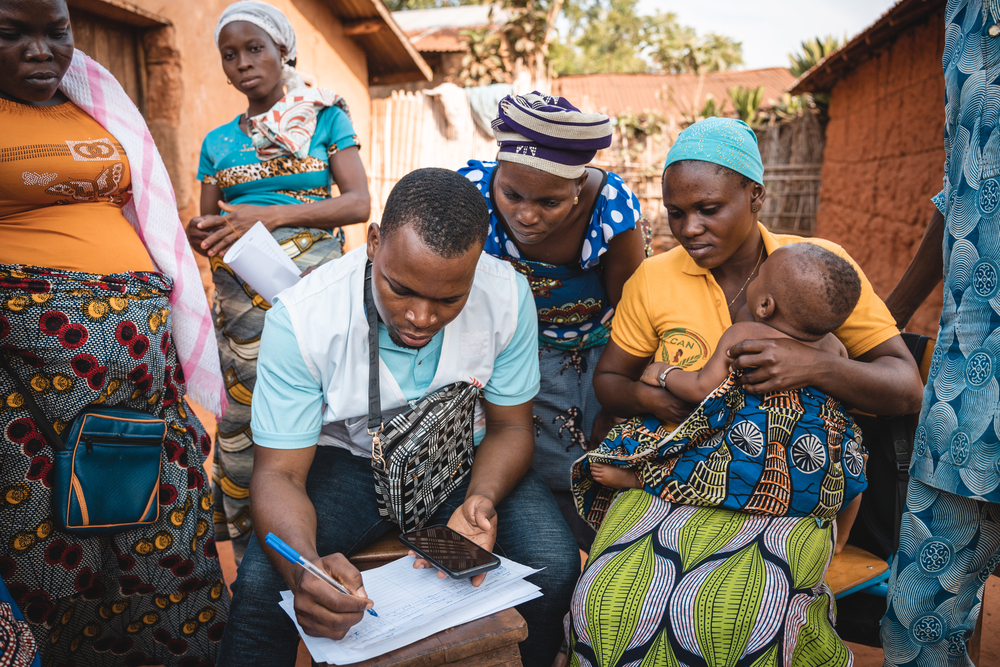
pixel 725 141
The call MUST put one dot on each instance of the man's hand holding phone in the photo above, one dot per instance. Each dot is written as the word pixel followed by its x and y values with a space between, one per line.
pixel 476 519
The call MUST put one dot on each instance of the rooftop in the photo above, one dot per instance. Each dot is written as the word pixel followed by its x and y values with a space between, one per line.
pixel 669 94
pixel 438 29
pixel 391 56
pixel 903 15
pixel 466 16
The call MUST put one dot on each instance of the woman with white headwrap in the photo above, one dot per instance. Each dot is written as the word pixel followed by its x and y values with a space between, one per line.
pixel 274 163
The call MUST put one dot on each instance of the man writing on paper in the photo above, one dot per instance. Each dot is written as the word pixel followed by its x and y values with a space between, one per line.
pixel 447 312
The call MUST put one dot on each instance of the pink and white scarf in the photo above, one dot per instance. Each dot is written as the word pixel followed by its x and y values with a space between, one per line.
pixel 287 128
pixel 153 213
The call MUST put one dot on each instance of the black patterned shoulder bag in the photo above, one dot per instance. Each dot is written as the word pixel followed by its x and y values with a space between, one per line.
pixel 422 455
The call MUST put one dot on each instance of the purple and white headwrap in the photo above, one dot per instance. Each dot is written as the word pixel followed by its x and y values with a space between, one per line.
pixel 549 134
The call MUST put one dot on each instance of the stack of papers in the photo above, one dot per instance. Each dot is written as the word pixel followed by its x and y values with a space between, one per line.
pixel 258 259
pixel 414 604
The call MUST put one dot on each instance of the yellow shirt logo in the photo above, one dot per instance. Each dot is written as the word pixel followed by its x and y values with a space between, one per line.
pixel 684 348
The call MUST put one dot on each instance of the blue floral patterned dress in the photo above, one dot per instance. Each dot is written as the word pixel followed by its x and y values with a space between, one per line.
pixel 950 533
pixel 574 320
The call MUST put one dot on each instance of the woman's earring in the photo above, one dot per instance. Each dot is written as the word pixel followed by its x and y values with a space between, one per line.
pixel 576 200
pixel 228 82
pixel 754 208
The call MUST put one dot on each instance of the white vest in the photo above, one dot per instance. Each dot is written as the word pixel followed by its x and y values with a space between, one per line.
pixel 326 309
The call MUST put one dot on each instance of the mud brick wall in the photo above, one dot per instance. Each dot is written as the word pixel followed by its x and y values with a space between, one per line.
pixel 884 159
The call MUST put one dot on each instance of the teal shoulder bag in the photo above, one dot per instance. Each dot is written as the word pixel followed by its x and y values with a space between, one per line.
pixel 106 476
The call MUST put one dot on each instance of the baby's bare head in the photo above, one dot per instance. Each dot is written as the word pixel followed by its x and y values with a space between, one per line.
pixel 812 289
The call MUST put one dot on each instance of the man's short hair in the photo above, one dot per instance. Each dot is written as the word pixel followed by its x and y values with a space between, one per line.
pixel 446 210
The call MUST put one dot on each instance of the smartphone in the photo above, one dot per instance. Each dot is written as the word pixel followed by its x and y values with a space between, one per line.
pixel 450 552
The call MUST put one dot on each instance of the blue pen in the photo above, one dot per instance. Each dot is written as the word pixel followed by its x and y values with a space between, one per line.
pixel 292 556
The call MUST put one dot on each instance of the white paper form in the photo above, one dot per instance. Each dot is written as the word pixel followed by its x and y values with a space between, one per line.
pixel 414 604
pixel 258 259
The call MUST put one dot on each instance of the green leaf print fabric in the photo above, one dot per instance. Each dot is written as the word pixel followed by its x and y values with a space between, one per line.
pixel 671 585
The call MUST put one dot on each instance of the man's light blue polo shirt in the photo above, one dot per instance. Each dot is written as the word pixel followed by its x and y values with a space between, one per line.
pixel 288 401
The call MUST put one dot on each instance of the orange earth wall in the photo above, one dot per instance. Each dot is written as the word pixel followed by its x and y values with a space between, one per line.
pixel 206 101
pixel 884 159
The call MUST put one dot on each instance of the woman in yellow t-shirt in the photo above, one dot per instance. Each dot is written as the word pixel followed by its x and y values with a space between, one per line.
pixel 706 581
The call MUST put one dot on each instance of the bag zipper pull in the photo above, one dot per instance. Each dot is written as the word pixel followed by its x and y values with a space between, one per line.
pixel 89 442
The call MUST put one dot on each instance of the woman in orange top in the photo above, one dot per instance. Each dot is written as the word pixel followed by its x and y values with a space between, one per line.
pixel 88 281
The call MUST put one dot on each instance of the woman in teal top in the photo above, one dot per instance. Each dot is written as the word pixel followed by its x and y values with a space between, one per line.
pixel 274 163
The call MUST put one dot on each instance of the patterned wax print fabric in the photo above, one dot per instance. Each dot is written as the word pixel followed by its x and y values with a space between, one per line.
pixel 670 584
pixel 229 160
pixel 957 445
pixel 564 410
pixel 793 453
pixel 152 595
pixel 574 320
pixel 573 309
pixel 948 546
pixel 17 644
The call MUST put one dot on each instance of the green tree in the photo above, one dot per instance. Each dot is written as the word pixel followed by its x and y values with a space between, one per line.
pixel 525 37
pixel 604 36
pixel 747 103
pixel 813 51
pixel 610 36
pixel 677 49
pixel 483 64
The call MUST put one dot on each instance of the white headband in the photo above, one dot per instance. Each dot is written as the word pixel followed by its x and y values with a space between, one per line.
pixel 275 24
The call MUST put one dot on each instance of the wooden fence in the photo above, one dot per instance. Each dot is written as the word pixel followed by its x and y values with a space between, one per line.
pixel 792 198
pixel 790 206
pixel 413 130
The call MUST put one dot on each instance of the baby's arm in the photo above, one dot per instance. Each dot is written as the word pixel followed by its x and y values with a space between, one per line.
pixel 844 522
pixel 832 344
pixel 694 386
pixel 614 477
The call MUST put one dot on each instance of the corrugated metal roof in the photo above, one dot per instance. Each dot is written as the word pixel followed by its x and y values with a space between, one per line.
pixel 466 16
pixel 391 57
pixel 439 39
pixel 671 95
pixel 437 30
pixel 902 16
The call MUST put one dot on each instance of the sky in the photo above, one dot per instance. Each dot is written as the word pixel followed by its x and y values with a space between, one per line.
pixel 771 29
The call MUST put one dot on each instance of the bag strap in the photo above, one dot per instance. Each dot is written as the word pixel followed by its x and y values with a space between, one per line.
pixel 55 442
pixel 375 424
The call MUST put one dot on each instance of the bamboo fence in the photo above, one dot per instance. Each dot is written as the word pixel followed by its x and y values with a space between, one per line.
pixel 792 152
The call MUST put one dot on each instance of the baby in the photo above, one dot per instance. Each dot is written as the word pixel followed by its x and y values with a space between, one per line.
pixel 803 292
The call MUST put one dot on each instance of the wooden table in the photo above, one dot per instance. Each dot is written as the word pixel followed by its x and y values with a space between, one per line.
pixel 488 642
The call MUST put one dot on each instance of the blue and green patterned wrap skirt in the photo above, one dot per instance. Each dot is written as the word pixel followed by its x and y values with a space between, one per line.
pixel 792 453
pixel 721 558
